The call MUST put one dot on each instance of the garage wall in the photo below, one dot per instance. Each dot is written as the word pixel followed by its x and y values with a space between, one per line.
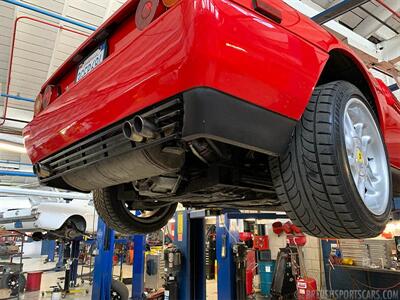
pixel 313 261
pixel 312 252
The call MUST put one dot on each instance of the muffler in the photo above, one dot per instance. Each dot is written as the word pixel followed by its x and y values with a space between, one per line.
pixel 127 167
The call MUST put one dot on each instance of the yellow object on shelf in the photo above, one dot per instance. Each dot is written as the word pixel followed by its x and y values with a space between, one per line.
pixel 348 261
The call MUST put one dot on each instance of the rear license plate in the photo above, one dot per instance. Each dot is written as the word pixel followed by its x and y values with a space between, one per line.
pixel 91 62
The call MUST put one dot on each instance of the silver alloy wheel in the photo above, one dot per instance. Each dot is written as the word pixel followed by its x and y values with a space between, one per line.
pixel 143 215
pixel 149 216
pixel 148 213
pixel 115 295
pixel 366 156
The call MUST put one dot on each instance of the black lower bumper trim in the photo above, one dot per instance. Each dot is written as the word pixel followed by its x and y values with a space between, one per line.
pixel 212 114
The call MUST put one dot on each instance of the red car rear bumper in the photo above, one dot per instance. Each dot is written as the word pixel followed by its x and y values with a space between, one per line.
pixel 215 44
pixel 196 113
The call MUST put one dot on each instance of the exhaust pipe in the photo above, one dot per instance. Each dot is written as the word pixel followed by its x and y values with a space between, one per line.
pixel 41 170
pixel 130 133
pixel 144 128
pixel 139 128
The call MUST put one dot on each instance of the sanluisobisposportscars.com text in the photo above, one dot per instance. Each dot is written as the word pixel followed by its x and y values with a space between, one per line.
pixel 357 294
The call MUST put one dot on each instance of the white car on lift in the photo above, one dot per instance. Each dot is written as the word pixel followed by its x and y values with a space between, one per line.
pixel 52 220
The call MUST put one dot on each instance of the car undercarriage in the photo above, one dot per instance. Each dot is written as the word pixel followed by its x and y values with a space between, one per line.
pixel 152 162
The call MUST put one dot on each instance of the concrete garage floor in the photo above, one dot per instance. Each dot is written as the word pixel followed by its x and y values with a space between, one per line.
pixel 50 278
pixel 211 292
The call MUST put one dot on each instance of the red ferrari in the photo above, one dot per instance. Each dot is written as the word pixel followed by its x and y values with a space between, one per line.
pixel 220 104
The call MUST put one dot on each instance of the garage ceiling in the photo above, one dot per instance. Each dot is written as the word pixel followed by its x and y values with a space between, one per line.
pixel 374 23
pixel 371 20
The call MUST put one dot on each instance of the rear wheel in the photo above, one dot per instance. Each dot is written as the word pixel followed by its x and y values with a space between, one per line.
pixel 119 215
pixel 334 180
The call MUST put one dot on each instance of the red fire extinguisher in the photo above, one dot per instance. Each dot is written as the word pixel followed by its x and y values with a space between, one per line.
pixel 307 289
pixel 306 286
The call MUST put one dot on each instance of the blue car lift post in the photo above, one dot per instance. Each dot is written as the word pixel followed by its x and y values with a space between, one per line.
pixel 139 247
pixel 103 263
pixel 60 262
pixel 49 248
pixel 191 279
pixel 189 239
pixel 51 251
pixel 227 236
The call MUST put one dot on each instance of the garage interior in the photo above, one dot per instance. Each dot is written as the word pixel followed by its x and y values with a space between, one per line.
pixel 201 253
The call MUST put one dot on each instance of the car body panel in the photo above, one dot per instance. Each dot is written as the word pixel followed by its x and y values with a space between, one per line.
pixel 245 55
pixel 49 216
pixel 391 115
pixel 297 23
pixel 235 65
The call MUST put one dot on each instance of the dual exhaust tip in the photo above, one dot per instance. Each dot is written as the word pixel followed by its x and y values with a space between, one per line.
pixel 138 129
pixel 41 170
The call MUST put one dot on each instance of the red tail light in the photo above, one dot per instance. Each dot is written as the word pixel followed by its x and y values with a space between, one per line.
pixel 147 11
pixel 169 3
pixel 50 93
pixel 38 105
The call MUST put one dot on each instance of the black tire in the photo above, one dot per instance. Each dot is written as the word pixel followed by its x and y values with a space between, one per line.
pixel 118 217
pixel 119 291
pixel 22 282
pixel 313 179
pixel 15 282
pixel 37 236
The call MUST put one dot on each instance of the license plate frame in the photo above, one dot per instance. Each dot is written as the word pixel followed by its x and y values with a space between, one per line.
pixel 91 62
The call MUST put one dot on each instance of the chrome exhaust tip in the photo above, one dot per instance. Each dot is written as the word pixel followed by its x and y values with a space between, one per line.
pixel 130 133
pixel 41 170
pixel 144 127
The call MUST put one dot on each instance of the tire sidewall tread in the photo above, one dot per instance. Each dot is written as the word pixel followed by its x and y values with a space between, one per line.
pixel 111 210
pixel 313 179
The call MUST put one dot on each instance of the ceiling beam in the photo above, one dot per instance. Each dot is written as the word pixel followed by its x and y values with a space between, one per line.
pixel 7 172
pixel 382 56
pixel 337 10
pixel 390 49
pixel 353 39
pixel 373 22
pixel 50 14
